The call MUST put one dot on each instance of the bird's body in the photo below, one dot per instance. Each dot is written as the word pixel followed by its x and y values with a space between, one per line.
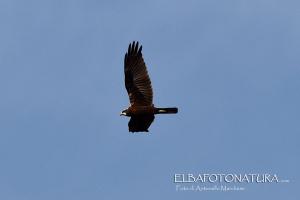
pixel 138 86
pixel 138 110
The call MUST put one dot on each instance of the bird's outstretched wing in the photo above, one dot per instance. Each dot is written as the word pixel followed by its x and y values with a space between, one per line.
pixel 140 123
pixel 137 81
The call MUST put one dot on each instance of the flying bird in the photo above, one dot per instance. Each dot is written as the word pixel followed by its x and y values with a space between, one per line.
pixel 138 85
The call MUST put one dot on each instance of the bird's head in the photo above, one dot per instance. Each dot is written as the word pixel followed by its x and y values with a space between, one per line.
pixel 124 112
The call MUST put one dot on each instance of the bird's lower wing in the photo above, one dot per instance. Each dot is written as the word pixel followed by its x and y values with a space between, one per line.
pixel 140 123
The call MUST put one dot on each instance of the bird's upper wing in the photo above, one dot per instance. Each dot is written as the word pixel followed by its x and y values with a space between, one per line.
pixel 137 81
pixel 140 123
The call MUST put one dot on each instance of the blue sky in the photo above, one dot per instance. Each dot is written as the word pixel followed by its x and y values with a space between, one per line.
pixel 231 67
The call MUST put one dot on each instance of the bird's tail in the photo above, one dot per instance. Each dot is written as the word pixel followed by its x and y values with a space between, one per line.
pixel 166 110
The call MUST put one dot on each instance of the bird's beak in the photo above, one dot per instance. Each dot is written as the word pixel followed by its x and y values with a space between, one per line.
pixel 122 113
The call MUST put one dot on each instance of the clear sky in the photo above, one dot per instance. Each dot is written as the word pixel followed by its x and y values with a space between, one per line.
pixel 231 67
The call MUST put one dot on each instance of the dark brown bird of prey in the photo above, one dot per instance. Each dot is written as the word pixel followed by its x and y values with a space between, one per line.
pixel 138 85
